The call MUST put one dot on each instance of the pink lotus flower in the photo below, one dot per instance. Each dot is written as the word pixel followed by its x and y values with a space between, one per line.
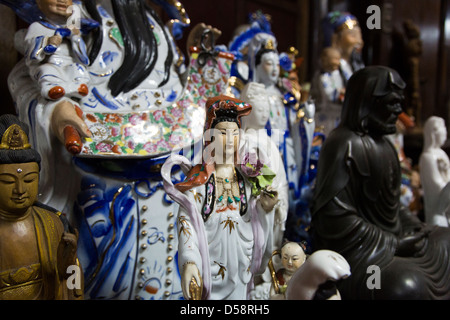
pixel 251 166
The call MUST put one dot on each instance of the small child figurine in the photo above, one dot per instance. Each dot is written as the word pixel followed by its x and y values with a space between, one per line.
pixel 292 257
pixel 59 68
pixel 317 277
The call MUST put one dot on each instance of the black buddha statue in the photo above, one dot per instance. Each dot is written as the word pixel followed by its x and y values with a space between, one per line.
pixel 357 210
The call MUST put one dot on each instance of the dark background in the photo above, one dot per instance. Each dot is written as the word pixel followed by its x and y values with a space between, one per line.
pixel 297 23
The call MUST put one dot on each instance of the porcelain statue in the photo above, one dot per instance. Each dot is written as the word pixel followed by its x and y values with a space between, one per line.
pixel 356 210
pixel 225 221
pixel 38 244
pixel 291 129
pixel 56 52
pixel 292 256
pixel 340 58
pixel 145 100
pixel 316 278
pixel 256 141
pixel 291 122
pixel 329 89
pixel 434 167
pixel 239 46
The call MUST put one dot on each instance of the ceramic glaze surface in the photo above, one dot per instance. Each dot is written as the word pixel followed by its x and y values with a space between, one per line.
pixel 130 118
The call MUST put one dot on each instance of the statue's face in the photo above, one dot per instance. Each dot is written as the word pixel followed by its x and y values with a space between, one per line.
pixel 384 114
pixel 227 138
pixel 348 40
pixel 331 61
pixel 268 70
pixel 440 132
pixel 292 256
pixel 259 116
pixel 55 10
pixel 18 188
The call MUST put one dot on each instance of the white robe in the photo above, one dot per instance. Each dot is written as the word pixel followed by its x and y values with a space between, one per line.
pixel 230 239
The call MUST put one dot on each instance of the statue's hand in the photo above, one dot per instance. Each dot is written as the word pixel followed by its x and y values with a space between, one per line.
pixel 65 115
pixel 409 244
pixel 67 251
pixel 268 199
pixel 280 216
pixel 191 274
pixel 55 40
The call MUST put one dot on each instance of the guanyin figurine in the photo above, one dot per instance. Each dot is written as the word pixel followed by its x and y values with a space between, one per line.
pixel 225 220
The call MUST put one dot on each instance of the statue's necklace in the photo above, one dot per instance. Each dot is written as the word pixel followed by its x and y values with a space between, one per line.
pixel 229 188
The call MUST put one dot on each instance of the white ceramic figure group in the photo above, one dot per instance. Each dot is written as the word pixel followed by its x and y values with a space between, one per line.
pixel 92 78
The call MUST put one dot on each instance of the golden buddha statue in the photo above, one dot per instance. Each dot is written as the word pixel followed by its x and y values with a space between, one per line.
pixel 37 245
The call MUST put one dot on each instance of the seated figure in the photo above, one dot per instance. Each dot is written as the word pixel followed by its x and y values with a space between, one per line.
pixel 55 51
pixel 435 172
pixel 356 209
pixel 37 243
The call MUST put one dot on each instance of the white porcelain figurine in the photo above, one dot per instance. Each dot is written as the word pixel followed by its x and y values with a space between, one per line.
pixel 434 170
pixel 226 210
pixel 319 272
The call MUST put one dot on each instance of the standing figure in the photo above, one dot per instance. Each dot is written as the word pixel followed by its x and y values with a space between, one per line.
pixel 413 49
pixel 37 246
pixel 282 125
pixel 341 32
pixel 225 219
pixel 434 167
pixel 256 141
pixel 356 209
pixel 329 86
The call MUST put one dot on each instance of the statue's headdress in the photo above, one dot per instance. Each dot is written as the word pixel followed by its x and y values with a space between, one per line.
pixel 335 22
pixel 14 144
pixel 220 108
